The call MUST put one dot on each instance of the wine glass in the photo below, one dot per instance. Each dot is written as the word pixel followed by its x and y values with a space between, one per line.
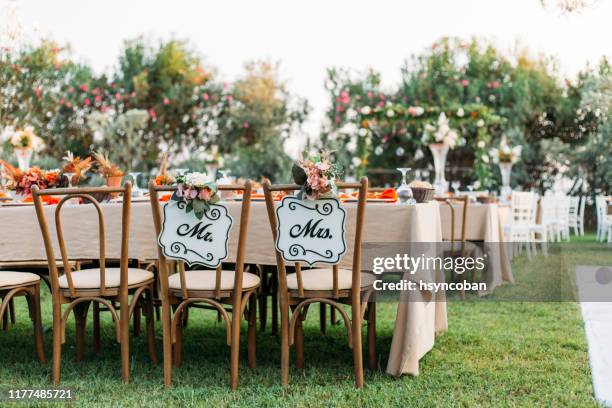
pixel 455 184
pixel 404 192
pixel 70 176
pixel 136 190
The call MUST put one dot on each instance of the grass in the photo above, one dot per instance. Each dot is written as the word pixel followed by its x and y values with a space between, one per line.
pixel 495 353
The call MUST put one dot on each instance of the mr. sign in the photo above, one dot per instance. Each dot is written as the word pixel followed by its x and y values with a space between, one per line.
pixel 184 237
pixel 311 231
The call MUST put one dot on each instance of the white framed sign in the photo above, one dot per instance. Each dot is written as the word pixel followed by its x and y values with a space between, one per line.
pixel 186 238
pixel 310 231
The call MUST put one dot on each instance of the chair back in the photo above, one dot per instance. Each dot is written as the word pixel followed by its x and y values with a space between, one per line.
pixel 549 209
pixel 88 195
pixel 453 203
pixel 600 204
pixel 524 205
pixel 166 266
pixel 362 188
pixel 574 205
pixel 563 208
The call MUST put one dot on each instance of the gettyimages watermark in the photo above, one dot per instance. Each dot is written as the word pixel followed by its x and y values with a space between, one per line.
pixel 483 271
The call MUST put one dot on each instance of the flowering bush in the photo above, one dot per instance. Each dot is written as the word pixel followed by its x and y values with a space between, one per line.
pixel 316 175
pixel 197 190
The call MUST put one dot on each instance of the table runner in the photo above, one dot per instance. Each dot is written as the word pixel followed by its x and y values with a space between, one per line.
pixel 417 321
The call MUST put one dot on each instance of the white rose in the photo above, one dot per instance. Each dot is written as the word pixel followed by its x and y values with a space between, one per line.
pixel 419 111
pixel 390 113
pixel 460 112
pixel 351 146
pixel 362 132
pixel 351 114
pixel 356 161
pixel 485 158
pixel 480 123
pixel 366 110
pixel 481 144
pixel 197 179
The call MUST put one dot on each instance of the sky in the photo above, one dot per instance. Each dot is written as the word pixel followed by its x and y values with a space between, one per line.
pixel 309 36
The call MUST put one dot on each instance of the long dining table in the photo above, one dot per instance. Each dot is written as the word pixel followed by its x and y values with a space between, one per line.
pixel 417 322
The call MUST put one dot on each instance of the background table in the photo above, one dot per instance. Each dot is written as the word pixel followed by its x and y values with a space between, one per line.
pixel 418 320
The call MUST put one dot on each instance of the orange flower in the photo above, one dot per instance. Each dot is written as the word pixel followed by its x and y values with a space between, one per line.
pixel 52 177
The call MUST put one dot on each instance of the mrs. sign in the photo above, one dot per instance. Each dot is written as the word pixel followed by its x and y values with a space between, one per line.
pixel 311 231
pixel 184 237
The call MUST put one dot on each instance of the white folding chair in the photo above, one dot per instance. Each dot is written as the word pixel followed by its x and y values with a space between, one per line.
pixel 563 211
pixel 580 217
pixel 604 221
pixel 519 232
pixel 573 214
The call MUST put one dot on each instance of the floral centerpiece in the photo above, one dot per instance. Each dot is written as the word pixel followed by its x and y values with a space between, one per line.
pixel 21 182
pixel 107 169
pixel 440 138
pixel 197 191
pixel 316 175
pixel 163 178
pixel 506 156
pixel 76 167
pixel 24 142
pixel 505 153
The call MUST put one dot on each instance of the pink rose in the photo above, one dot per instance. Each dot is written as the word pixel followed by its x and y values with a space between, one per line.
pixel 204 194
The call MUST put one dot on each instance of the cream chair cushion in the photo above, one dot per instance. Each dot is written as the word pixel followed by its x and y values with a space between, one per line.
pixel 8 278
pixel 90 278
pixel 205 280
pixel 323 279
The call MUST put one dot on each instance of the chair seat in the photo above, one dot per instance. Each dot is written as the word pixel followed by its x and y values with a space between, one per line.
pixel 90 278
pixel 10 278
pixel 205 280
pixel 323 279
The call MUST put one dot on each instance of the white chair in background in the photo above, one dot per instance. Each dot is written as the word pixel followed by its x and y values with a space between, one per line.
pixel 548 218
pixel 563 211
pixel 574 209
pixel 520 231
pixel 604 221
pixel 580 217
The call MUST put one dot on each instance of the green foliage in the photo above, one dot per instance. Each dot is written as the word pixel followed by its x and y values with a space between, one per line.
pixel 515 92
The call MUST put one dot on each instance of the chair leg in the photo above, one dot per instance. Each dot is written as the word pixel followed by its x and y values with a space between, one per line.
pixel 332 316
pixel 12 311
pixel 166 317
pixel 263 299
pixel 124 328
pixel 252 332
pixel 57 342
pixel 5 321
pixel 357 352
pixel 235 342
pixel 137 319
pixel 37 317
pixel 274 290
pixel 178 344
pixel 323 318
pixel 372 360
pixel 150 320
pixel 96 328
pixel 284 318
pixel 299 342
pixel 80 320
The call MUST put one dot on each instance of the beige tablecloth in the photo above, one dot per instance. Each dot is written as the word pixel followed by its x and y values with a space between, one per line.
pixel 484 223
pixel 419 316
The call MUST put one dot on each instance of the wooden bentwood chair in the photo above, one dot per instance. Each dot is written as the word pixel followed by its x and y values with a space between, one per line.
pixel 333 286
pixel 214 288
pixel 13 284
pixel 106 286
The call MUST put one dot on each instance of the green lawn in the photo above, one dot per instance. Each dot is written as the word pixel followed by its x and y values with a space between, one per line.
pixel 495 353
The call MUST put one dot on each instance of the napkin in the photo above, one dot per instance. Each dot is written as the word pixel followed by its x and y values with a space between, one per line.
pixel 45 199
